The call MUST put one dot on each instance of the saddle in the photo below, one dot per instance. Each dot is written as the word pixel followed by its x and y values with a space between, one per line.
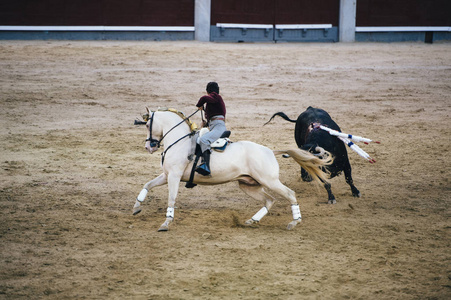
pixel 221 143
pixel 218 145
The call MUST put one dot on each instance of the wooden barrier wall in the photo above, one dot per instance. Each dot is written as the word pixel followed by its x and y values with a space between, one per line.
pixel 403 13
pixel 97 12
pixel 275 12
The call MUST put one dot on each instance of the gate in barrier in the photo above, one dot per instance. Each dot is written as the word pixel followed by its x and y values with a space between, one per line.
pixel 274 20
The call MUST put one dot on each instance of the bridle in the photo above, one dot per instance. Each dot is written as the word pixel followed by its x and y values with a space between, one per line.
pixel 157 143
pixel 153 142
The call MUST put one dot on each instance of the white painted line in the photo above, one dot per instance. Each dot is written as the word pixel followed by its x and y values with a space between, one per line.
pixel 244 26
pixel 96 28
pixel 401 28
pixel 304 26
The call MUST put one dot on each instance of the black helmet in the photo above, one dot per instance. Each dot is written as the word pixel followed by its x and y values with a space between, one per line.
pixel 212 87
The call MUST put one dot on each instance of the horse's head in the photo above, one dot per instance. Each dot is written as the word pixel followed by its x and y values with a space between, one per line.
pixel 164 121
pixel 154 132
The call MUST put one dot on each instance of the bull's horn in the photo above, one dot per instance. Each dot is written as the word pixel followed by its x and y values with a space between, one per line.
pixel 320 150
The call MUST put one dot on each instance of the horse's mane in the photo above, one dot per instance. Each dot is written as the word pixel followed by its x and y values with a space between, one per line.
pixel 192 125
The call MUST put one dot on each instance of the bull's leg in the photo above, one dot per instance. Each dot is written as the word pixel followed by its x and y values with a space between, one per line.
pixel 348 177
pixel 354 190
pixel 331 197
pixel 305 176
pixel 173 185
pixel 257 192
pixel 160 180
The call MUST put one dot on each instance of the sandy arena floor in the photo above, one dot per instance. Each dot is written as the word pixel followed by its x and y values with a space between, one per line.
pixel 72 164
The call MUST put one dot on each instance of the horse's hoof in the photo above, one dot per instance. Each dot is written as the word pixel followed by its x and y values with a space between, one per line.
pixel 136 210
pixel 293 224
pixel 163 228
pixel 249 222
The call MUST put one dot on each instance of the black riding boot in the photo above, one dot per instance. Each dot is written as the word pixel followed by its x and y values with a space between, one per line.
pixel 204 168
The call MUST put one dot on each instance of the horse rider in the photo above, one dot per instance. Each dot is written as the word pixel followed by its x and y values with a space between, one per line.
pixel 215 112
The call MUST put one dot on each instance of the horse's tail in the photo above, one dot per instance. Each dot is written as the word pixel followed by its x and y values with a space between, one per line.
pixel 311 163
pixel 280 114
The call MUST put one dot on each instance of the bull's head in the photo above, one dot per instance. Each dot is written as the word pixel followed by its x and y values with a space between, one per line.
pixel 316 150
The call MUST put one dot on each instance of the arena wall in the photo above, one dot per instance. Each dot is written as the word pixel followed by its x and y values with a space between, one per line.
pixel 228 20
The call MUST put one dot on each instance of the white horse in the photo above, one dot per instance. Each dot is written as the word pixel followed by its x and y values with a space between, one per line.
pixel 254 166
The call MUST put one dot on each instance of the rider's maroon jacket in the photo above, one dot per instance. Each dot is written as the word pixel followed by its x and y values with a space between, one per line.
pixel 215 105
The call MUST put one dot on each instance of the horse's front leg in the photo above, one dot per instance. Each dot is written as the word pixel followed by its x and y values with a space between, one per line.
pixel 173 185
pixel 160 180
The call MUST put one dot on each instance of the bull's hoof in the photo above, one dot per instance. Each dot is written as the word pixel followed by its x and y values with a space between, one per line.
pixel 357 195
pixel 332 201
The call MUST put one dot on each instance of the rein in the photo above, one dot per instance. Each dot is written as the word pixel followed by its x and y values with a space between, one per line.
pixel 156 143
pixel 169 147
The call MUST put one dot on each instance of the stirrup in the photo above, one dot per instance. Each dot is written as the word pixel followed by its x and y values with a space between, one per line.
pixel 203 170
pixel 190 185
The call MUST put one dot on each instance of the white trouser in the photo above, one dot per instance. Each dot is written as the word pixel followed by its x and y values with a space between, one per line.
pixel 217 127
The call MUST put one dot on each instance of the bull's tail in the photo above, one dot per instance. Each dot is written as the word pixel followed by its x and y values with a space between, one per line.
pixel 311 163
pixel 280 114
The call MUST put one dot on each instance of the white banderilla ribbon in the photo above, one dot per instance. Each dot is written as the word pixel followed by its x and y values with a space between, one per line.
pixel 355 138
pixel 346 138
pixel 357 149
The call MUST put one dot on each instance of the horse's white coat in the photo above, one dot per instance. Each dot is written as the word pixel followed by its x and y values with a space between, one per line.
pixel 254 166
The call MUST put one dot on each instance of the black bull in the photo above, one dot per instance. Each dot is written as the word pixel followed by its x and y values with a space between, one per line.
pixel 308 137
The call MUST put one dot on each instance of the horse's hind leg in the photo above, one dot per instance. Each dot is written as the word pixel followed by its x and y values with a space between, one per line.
pixel 257 192
pixel 288 194
pixel 160 180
